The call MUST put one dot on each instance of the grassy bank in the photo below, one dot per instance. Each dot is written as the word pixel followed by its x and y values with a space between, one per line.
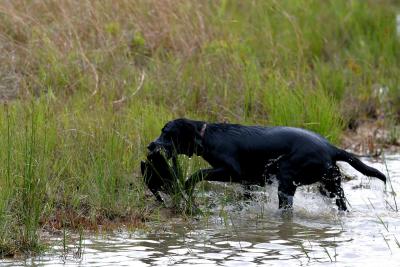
pixel 85 85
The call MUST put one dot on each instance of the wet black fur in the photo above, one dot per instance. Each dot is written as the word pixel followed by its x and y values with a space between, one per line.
pixel 248 154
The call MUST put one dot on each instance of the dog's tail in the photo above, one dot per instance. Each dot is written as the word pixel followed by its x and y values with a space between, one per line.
pixel 342 155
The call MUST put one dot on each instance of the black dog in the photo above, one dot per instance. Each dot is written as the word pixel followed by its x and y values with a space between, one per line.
pixel 246 154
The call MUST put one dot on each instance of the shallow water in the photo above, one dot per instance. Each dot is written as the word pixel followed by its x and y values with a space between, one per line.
pixel 256 233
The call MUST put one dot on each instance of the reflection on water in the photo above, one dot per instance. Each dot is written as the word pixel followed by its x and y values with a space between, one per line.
pixel 256 233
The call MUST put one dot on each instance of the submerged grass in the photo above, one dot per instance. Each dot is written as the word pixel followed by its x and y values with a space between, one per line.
pixel 86 85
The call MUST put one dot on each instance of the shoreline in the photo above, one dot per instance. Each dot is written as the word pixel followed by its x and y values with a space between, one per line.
pixel 371 138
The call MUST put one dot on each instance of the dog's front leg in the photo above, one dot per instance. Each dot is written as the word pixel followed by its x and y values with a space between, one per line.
pixel 285 196
pixel 219 174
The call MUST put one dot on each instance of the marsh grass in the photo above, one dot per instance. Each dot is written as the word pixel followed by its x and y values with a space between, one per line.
pixel 392 192
pixel 180 201
pixel 87 85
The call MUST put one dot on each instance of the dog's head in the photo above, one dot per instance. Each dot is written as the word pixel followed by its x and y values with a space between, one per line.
pixel 180 136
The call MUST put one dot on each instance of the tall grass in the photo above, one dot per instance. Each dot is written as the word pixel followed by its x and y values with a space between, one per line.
pixel 87 84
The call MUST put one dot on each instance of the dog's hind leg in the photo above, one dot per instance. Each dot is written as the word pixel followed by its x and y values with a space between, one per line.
pixel 331 187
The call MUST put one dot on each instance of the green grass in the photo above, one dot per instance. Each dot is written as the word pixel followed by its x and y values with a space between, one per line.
pixel 85 86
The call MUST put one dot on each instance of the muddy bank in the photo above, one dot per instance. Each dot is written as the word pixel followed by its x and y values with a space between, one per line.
pixel 372 138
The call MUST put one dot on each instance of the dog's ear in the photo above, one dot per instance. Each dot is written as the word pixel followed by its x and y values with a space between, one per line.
pixel 198 139
pixel 194 128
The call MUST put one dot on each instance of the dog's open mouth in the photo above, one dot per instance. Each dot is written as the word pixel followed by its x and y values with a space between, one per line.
pixel 157 152
pixel 165 150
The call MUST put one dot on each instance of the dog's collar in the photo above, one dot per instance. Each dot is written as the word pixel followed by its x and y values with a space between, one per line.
pixel 203 130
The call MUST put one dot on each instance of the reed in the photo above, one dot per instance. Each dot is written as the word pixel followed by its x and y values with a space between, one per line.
pixel 86 85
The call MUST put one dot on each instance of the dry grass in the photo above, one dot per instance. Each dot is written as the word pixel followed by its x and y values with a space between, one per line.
pixel 85 85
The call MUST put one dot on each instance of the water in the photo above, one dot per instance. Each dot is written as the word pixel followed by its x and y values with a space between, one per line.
pixel 256 233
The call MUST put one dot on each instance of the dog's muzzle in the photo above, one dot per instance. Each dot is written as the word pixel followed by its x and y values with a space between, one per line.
pixel 156 146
